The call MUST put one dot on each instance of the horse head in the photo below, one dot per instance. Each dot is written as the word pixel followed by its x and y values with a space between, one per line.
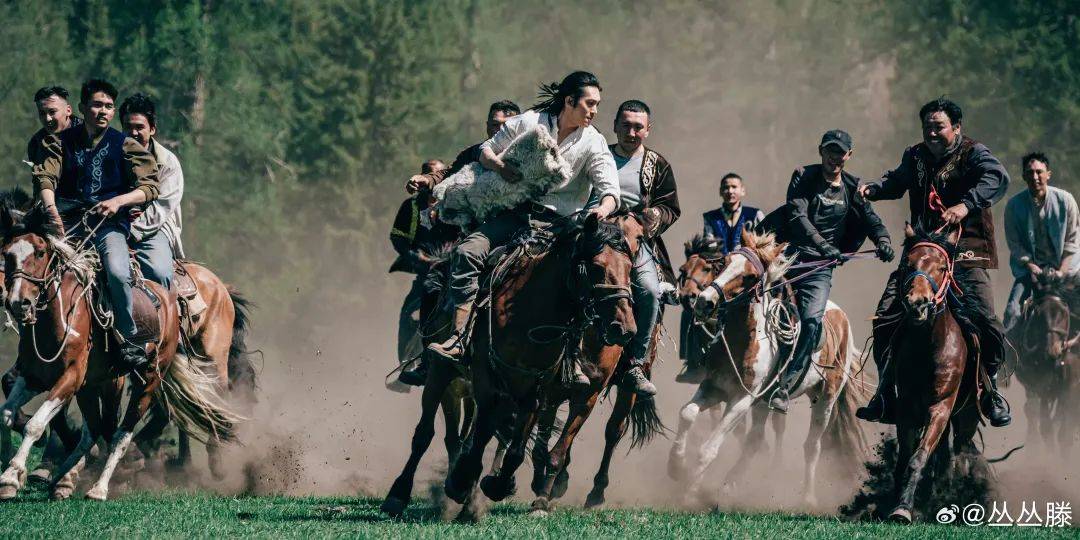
pixel 27 248
pixel 929 271
pixel 747 272
pixel 703 263
pixel 1046 329
pixel 604 254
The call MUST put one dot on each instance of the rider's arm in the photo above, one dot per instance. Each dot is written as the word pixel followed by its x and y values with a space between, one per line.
pixel 604 177
pixel 798 204
pixel 491 148
pixel 664 207
pixel 142 173
pixel 1071 248
pixel 47 174
pixel 1014 236
pixel 993 179
pixel 895 183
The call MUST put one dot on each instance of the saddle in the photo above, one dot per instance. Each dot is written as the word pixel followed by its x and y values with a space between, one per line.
pixel 191 302
pixel 145 308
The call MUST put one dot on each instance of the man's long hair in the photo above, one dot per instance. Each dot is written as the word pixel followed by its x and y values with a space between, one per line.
pixel 553 96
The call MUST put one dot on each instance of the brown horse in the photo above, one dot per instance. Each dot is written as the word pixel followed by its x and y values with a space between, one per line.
pixel 49 288
pixel 1048 343
pixel 214 324
pixel 935 370
pixel 445 388
pixel 744 363
pixel 579 287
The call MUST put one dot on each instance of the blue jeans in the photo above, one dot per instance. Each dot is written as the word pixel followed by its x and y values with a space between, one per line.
pixel 155 257
pixel 645 287
pixel 112 246
pixel 1020 291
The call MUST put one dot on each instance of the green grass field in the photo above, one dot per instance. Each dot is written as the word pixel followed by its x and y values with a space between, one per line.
pixel 203 515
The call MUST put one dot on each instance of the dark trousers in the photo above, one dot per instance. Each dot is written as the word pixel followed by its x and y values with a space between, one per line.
pixel 408 342
pixel 977 301
pixel 811 298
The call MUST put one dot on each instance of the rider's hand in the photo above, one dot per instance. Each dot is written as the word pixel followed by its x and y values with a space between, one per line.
pixel 829 251
pixel 107 208
pixel 885 251
pixel 135 212
pixel 955 214
pixel 1034 269
pixel 867 191
pixel 417 182
pixel 55 216
pixel 509 172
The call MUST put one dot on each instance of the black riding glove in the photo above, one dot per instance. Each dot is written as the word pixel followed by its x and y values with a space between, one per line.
pixel 829 251
pixel 885 251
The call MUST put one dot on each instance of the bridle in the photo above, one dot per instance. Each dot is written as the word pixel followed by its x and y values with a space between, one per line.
pixel 941 290
pixel 592 295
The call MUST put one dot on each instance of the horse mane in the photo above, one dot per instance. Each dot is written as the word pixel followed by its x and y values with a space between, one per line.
pixel 706 246
pixel 772 255
pixel 934 237
pixel 607 234
pixel 38 221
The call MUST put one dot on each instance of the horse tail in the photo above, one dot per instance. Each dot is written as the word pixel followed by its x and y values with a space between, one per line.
pixel 645 423
pixel 844 436
pixel 190 397
pixel 242 374
pixel 1004 457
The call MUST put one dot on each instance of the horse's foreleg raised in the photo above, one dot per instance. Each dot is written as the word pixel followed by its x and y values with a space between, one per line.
pixel 465 472
pixel 17 396
pixel 733 416
pixel 501 485
pixel 13 477
pixel 435 387
pixel 559 455
pixel 613 433
pixel 703 399
pixel 544 427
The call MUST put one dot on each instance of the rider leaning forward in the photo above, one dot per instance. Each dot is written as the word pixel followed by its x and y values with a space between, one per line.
pixel 950 179
pixel 567 113
pixel 823 219
pixel 96 169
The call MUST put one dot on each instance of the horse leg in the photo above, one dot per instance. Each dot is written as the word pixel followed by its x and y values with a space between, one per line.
pixel 500 486
pixel 779 424
pixel 1046 421
pixel 820 416
pixel 1032 411
pixel 559 455
pixel 751 447
pixel 17 396
pixel 613 433
pixel 58 442
pixel 15 475
pixel 545 425
pixel 463 476
pixel 438 380
pixel 734 414
pixel 451 409
pixel 911 470
pixel 704 398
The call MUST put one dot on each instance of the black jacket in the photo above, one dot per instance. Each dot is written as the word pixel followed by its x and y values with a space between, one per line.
pixel 792 222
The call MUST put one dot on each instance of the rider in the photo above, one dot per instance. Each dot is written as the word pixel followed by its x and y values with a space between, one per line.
pixel 54 113
pixel 96 169
pixel 825 220
pixel 950 179
pixel 1042 228
pixel 647 187
pixel 498 113
pixel 155 232
pixel 567 111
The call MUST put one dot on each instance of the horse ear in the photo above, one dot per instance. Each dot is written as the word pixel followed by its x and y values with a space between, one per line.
pixel 9 217
pixel 745 238
pixel 954 236
pixel 592 222
pixel 908 231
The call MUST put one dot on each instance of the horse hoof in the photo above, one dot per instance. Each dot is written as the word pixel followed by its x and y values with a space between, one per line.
pixel 8 492
pixel 61 493
pixel 97 493
pixel 594 500
pixel 496 489
pixel 562 481
pixel 453 493
pixel 541 507
pixel 39 476
pixel 676 469
pixel 394 507
pixel 538 513
pixel 901 515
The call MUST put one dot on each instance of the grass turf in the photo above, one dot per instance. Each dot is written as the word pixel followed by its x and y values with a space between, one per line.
pixel 177 514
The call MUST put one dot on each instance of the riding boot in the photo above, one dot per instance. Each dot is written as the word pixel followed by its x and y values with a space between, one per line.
pixel 635 380
pixel 692 373
pixel 133 358
pixel 453 349
pixel 804 349
pixel 879 408
pixel 416 376
pixel 993 404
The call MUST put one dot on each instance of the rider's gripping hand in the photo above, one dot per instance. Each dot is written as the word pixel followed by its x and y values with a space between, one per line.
pixel 108 208
pixel 829 251
pixel 868 191
pixel 955 214
pixel 884 250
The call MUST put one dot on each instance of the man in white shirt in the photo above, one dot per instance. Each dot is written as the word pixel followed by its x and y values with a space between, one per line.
pixel 155 233
pixel 567 112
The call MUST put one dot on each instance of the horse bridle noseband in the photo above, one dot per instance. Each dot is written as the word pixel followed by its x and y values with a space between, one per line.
pixel 748 294
pixel 587 297
pixel 940 289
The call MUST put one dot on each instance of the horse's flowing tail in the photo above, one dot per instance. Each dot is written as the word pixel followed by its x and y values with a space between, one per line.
pixel 190 397
pixel 645 424
pixel 844 436
pixel 242 376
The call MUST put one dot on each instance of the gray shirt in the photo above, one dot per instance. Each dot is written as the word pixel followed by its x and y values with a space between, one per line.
pixel 629 179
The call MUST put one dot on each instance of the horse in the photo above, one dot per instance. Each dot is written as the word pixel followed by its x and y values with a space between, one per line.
pixel 704 262
pixel 936 389
pixel 579 286
pixel 1047 364
pixel 215 338
pixel 445 388
pixel 744 364
pixel 49 288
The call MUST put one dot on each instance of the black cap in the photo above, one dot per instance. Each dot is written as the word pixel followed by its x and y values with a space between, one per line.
pixel 838 137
